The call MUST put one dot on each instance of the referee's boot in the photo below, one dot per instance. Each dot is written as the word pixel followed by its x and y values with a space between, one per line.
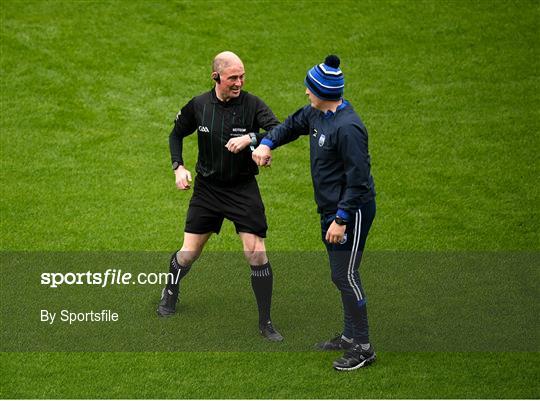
pixel 355 358
pixel 335 344
pixel 167 305
pixel 267 331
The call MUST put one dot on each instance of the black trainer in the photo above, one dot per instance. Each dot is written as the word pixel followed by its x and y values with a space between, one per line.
pixel 355 358
pixel 335 344
pixel 167 305
pixel 268 332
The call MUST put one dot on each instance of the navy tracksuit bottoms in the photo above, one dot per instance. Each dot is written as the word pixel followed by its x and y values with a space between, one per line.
pixel 345 261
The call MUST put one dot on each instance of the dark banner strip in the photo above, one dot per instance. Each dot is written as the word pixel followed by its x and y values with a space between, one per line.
pixel 106 301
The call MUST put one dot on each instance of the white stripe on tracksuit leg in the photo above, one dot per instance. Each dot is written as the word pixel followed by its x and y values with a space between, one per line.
pixel 352 260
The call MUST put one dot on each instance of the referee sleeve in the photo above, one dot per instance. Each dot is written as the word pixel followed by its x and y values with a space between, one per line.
pixel 184 125
pixel 265 118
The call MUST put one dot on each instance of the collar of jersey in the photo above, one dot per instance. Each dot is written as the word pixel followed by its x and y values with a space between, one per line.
pixel 330 113
pixel 232 101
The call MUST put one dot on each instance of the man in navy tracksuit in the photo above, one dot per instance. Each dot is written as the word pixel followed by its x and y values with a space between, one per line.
pixel 344 192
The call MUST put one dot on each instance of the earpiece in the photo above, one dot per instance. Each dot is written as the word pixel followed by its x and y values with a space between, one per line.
pixel 216 77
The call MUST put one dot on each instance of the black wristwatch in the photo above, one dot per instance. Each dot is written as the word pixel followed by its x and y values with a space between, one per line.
pixel 175 165
pixel 340 222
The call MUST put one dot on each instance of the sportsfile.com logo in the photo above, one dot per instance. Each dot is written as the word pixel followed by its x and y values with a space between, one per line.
pixel 103 279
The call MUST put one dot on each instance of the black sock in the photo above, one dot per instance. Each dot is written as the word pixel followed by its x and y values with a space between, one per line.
pixel 177 271
pixel 261 282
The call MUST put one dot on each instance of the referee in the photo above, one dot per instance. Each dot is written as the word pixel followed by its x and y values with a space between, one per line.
pixel 227 120
pixel 344 192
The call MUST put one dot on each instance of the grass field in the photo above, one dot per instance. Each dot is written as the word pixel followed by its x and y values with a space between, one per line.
pixel 449 92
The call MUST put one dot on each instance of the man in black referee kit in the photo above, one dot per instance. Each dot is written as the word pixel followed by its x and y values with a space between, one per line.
pixel 227 120
pixel 344 192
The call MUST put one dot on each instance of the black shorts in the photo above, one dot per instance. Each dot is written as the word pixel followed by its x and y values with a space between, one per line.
pixel 240 203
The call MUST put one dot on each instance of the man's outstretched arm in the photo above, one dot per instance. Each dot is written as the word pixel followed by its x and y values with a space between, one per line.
pixel 295 125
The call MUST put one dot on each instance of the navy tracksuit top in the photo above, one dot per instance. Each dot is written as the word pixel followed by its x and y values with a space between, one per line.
pixel 340 161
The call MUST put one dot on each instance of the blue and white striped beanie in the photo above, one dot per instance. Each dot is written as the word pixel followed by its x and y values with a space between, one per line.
pixel 326 80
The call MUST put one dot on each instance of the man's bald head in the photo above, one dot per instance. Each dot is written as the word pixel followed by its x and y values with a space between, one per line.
pixel 224 60
pixel 228 72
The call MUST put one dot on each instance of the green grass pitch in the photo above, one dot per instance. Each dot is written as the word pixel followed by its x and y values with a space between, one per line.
pixel 449 92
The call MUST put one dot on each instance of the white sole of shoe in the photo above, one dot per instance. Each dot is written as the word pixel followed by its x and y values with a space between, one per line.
pixel 362 364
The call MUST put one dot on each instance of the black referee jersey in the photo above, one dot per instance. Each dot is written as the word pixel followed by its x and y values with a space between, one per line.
pixel 216 122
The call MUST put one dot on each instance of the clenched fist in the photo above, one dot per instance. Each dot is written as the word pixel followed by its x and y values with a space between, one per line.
pixel 262 155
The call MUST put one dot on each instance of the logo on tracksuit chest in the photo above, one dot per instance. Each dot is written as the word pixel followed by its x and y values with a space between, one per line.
pixel 322 138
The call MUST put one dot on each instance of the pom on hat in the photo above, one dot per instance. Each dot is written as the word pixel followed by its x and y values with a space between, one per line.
pixel 326 80
pixel 332 61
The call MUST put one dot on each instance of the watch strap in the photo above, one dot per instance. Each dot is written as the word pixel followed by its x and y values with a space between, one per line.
pixel 253 138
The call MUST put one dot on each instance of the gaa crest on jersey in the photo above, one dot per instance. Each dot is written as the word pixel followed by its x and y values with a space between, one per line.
pixel 321 140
